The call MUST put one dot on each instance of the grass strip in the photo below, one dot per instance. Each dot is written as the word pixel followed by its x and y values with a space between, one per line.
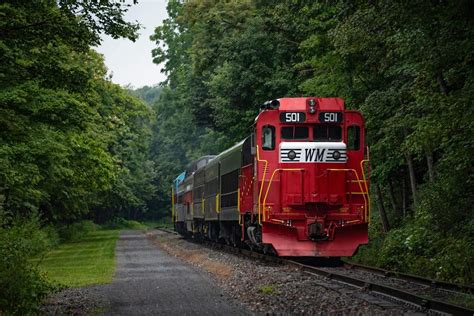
pixel 90 260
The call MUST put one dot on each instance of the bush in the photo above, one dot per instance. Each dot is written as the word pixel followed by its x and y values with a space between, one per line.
pixel 76 231
pixel 368 254
pixel 419 249
pixel 22 285
pixel 121 223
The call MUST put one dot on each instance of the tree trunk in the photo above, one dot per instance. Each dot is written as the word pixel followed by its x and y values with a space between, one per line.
pixel 411 172
pixel 429 162
pixel 443 87
pixel 381 208
pixel 393 201
pixel 404 197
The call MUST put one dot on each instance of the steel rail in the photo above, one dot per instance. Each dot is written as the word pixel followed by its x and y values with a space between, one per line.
pixel 455 287
pixel 421 302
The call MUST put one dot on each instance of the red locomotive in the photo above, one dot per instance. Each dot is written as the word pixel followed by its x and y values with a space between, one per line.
pixel 296 186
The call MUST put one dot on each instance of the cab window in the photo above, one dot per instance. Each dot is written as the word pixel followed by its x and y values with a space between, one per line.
pixel 327 133
pixel 353 137
pixel 268 137
pixel 294 132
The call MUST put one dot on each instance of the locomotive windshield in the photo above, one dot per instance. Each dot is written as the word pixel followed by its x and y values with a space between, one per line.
pixel 294 132
pixel 327 133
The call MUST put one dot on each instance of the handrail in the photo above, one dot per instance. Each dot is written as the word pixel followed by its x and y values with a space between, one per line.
pixel 360 187
pixel 368 210
pixel 229 193
pixel 217 204
pixel 270 184
pixel 261 187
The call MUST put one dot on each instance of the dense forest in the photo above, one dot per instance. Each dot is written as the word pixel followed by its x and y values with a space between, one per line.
pixel 75 146
pixel 408 66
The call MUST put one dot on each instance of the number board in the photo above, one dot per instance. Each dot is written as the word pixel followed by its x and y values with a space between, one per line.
pixel 330 117
pixel 292 117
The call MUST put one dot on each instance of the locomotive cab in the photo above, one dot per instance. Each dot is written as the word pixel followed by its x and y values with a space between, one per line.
pixel 312 193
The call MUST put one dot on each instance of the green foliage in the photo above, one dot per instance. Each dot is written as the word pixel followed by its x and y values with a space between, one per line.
pixel 23 285
pixel 121 223
pixel 76 231
pixel 148 94
pixel 71 142
pixel 419 250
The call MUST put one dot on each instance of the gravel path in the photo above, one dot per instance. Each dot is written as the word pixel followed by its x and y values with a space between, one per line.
pixel 147 282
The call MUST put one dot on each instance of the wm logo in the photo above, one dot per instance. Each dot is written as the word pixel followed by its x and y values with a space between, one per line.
pixel 313 154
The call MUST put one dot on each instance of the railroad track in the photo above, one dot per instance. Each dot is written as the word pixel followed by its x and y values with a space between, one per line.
pixel 369 283
pixel 453 287
pixel 425 294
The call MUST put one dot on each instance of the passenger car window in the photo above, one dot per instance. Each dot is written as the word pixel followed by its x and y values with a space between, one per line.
pixel 268 137
pixel 327 133
pixel 353 137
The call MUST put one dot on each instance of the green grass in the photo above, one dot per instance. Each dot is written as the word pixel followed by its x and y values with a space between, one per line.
pixel 268 288
pixel 90 260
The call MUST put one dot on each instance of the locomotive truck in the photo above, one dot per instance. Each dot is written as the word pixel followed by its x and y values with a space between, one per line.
pixel 297 186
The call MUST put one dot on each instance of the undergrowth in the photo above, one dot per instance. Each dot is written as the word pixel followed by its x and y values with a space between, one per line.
pixel 22 284
pixel 419 249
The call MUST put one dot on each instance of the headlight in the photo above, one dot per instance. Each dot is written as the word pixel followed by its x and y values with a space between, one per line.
pixel 312 106
pixel 336 155
pixel 292 154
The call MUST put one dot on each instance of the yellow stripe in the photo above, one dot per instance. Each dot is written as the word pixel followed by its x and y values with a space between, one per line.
pixel 202 206
pixel 217 204
pixel 238 200
pixel 261 187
